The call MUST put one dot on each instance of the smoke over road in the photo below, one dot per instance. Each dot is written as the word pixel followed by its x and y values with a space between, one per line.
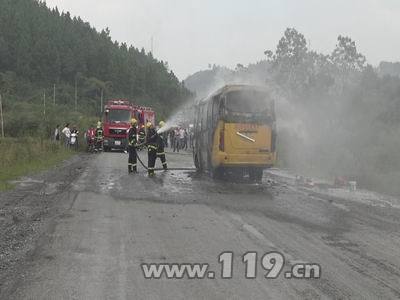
pixel 335 115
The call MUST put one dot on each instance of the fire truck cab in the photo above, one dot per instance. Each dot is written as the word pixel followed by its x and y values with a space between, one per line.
pixel 116 121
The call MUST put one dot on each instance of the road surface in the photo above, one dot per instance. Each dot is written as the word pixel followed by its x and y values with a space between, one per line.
pixel 108 223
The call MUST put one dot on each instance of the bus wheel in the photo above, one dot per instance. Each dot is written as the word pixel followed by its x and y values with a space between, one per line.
pixel 256 174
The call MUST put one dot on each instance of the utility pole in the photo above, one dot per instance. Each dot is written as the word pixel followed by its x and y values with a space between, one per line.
pixel 101 101
pixel 76 93
pixel 1 117
pixel 152 45
pixel 54 95
pixel 44 103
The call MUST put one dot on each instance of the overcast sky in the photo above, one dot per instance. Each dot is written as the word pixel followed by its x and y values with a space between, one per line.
pixel 190 34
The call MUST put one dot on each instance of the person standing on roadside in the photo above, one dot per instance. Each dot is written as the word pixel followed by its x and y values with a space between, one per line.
pixel 181 138
pixel 172 139
pixel 191 135
pixel 67 134
pixel 185 146
pixel 73 141
pixel 57 134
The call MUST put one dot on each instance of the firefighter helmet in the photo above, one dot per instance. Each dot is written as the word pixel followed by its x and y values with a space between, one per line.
pixel 161 124
pixel 98 124
pixel 149 125
pixel 133 121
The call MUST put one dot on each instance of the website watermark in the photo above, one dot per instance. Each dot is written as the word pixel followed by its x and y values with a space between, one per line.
pixel 270 265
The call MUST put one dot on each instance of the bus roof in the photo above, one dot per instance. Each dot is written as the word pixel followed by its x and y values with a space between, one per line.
pixel 234 88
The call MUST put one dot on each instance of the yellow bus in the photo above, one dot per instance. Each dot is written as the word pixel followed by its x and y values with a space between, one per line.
pixel 235 132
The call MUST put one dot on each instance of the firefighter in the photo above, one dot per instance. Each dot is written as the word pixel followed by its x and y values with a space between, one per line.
pixel 132 142
pixel 142 135
pixel 99 137
pixel 152 146
pixel 160 147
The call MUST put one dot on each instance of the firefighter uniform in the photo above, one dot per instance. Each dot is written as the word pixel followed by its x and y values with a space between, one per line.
pixel 132 142
pixel 142 135
pixel 152 146
pixel 99 137
pixel 160 147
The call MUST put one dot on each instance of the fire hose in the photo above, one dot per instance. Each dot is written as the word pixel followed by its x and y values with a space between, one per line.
pixel 159 169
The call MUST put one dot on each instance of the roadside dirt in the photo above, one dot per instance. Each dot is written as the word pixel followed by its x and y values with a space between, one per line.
pixel 28 210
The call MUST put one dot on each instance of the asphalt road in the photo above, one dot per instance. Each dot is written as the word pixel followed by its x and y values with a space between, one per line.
pixel 112 222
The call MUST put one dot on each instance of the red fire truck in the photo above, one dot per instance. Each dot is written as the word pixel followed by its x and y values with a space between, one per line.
pixel 116 121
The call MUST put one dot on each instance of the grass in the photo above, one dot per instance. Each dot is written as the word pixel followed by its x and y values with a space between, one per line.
pixel 22 156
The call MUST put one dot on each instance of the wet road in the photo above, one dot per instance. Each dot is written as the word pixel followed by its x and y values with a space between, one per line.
pixel 114 222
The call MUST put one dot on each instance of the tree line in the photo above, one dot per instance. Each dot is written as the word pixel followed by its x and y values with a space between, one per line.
pixel 42 48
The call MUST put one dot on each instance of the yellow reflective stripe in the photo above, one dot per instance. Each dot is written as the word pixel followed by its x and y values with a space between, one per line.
pixel 152 147
pixel 161 153
pixel 165 163
pixel 134 165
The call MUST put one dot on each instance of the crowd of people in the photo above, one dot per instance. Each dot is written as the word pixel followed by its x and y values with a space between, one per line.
pixel 179 138
pixel 68 135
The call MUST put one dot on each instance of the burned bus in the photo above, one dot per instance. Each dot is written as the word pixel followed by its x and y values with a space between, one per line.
pixel 235 132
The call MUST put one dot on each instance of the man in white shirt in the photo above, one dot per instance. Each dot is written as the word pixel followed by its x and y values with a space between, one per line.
pixel 67 134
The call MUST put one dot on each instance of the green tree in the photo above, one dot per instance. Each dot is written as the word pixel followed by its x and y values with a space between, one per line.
pixel 346 56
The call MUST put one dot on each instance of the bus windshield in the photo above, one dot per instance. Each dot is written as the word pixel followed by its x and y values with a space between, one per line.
pixel 118 115
pixel 254 102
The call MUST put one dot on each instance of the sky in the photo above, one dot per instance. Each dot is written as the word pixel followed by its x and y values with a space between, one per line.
pixel 191 34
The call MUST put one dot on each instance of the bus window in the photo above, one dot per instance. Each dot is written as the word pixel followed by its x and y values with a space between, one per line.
pixel 248 102
pixel 197 119
pixel 209 114
pixel 216 111
pixel 203 118
pixel 248 106
pixel 222 106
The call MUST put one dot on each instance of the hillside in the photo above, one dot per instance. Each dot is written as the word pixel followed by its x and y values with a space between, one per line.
pixel 389 68
pixel 41 48
pixel 204 82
